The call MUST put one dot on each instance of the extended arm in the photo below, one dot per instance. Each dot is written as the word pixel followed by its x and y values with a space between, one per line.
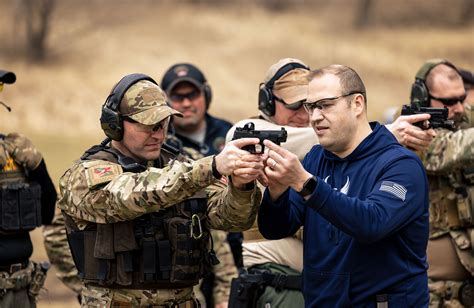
pixel 125 196
pixel 449 151
pixel 99 191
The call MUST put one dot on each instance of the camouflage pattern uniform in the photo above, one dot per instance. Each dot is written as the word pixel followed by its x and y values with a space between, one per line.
pixel 100 192
pixel 22 279
pixel 449 162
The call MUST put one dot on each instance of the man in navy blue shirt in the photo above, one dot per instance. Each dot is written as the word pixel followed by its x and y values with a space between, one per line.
pixel 362 198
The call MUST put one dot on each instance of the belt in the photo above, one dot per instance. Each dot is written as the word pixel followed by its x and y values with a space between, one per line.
pixel 10 269
pixel 277 280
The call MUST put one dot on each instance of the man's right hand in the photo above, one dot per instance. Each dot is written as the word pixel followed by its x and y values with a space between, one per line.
pixel 409 135
pixel 243 166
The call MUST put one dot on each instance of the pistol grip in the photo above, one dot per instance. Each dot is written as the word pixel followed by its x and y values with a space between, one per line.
pixel 249 148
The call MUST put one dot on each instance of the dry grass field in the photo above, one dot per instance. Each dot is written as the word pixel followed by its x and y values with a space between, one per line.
pixel 93 43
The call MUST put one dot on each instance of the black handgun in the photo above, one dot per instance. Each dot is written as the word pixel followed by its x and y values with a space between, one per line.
pixel 248 131
pixel 439 116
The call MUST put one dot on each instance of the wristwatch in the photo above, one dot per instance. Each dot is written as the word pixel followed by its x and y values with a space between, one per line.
pixel 308 187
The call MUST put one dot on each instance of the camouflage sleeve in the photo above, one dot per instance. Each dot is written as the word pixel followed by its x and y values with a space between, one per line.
pixel 99 191
pixel 225 270
pixel 449 151
pixel 231 209
pixel 57 248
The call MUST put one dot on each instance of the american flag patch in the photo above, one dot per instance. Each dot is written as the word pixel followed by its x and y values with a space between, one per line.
pixel 395 189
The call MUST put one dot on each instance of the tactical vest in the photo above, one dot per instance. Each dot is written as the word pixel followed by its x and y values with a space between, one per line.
pixel 162 250
pixel 20 201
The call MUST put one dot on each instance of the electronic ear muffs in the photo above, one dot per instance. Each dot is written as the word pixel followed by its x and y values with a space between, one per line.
pixel 266 100
pixel 110 120
pixel 207 94
pixel 420 94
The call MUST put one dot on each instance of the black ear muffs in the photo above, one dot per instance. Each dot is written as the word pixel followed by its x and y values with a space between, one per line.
pixel 420 95
pixel 266 100
pixel 110 119
pixel 207 94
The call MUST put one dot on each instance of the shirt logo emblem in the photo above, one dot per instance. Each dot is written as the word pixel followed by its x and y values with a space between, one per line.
pixel 345 188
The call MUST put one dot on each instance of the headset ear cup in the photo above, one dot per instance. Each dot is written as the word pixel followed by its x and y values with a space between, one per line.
pixel 419 94
pixel 110 119
pixel 207 95
pixel 111 123
pixel 265 101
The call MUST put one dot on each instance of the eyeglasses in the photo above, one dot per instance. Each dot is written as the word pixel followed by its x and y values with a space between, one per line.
pixel 148 128
pixel 292 106
pixel 181 97
pixel 325 104
pixel 451 101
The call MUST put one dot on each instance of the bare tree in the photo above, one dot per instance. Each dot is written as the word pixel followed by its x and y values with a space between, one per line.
pixel 467 13
pixel 363 13
pixel 277 5
pixel 36 17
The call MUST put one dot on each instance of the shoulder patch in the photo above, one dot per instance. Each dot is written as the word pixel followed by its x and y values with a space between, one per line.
pixel 101 172
pixel 395 189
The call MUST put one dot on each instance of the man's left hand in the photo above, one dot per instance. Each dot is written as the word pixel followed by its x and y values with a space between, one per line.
pixel 248 168
pixel 283 169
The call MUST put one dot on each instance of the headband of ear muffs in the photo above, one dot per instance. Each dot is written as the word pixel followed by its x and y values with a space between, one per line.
pixel 110 120
pixel 420 95
pixel 266 100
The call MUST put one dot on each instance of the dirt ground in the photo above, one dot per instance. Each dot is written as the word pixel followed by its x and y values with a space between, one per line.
pixel 93 43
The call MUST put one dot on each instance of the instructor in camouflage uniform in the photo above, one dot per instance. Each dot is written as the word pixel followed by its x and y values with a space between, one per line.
pixel 27 198
pixel 137 215
pixel 449 162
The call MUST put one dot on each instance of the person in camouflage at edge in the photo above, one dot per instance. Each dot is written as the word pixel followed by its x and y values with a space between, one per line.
pixel 449 163
pixel 57 248
pixel 27 199
pixel 137 215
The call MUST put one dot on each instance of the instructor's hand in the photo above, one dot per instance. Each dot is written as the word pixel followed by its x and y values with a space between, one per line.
pixel 283 169
pixel 409 135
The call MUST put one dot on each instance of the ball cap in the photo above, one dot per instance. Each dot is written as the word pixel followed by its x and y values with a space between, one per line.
pixel 293 86
pixel 182 72
pixel 7 77
pixel 146 103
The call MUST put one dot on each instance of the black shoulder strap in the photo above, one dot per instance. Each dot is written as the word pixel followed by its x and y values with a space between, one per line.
pixel 128 164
